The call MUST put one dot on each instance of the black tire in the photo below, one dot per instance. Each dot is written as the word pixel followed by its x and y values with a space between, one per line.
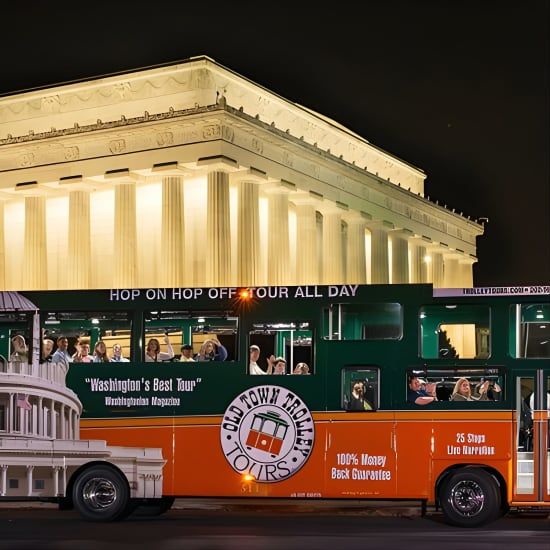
pixel 101 493
pixel 65 504
pixel 471 497
pixel 155 507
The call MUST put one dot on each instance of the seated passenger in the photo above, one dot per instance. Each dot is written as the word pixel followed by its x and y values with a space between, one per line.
pixel 279 365
pixel 100 352
pixel 20 351
pixel 419 396
pixel 47 349
pixel 486 388
pixel 463 391
pixel 253 366
pixel 153 353
pixel 212 350
pixel 82 354
pixel 117 356
pixel 186 354
pixel 358 402
pixel 301 368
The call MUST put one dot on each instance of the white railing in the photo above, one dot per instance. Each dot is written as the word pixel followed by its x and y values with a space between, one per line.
pixel 52 372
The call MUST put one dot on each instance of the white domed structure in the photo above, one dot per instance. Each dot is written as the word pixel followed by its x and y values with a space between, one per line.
pixel 41 454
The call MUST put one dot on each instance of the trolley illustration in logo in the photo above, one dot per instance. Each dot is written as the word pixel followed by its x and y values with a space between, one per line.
pixel 267 433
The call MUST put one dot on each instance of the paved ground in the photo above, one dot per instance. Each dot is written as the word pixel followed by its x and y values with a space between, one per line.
pixel 261 506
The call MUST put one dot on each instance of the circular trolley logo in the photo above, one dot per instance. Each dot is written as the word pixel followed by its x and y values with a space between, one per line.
pixel 267 432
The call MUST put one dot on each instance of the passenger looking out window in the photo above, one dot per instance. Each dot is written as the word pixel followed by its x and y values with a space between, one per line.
pixel 186 354
pixel 82 354
pixel 20 352
pixel 358 402
pixel 418 394
pixel 47 349
pixel 301 368
pixel 100 353
pixel 279 366
pixel 253 367
pixel 153 352
pixel 61 355
pixel 212 350
pixel 463 391
pixel 117 356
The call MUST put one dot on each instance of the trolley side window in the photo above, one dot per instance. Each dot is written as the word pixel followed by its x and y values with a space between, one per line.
pixel 360 388
pixel 15 341
pixel 530 331
pixel 212 335
pixel 435 385
pixel 284 347
pixel 83 330
pixel 455 332
pixel 382 321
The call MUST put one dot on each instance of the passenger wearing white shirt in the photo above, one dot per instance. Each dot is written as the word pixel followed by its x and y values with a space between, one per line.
pixel 254 368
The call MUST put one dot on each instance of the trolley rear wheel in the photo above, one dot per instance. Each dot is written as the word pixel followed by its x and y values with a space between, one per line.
pixel 470 497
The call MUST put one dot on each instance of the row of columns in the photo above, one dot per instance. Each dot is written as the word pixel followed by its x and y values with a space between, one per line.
pixel 62 421
pixel 56 470
pixel 338 262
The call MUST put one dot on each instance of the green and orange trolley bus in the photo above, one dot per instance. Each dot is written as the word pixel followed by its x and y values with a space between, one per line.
pixel 307 392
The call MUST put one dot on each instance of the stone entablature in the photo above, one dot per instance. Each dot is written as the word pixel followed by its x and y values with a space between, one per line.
pixel 284 157
pixel 194 84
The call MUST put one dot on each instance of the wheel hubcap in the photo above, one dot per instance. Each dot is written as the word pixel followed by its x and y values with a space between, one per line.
pixel 99 493
pixel 467 498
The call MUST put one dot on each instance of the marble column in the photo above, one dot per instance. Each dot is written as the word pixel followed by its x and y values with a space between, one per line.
pixel 172 232
pixel 356 262
pixel 4 480
pixel 125 260
pixel 79 243
pixel 379 253
pixel 278 238
pixel 307 257
pixel 419 266
pixel 2 249
pixel 437 268
pixel 466 272
pixel 53 431
pixel 400 256
pixel 41 432
pixel 35 266
pixel 30 469
pixel 218 230
pixel 450 271
pixel 333 265
pixel 248 234
pixel 62 423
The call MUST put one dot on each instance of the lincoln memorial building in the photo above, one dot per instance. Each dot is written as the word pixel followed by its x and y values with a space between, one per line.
pixel 192 175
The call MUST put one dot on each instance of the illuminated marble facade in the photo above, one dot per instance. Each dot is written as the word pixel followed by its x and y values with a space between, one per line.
pixel 190 174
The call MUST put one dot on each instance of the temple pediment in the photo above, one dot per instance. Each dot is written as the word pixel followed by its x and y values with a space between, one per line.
pixel 141 97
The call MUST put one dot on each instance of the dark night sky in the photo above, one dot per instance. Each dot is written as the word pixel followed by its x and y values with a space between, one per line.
pixel 457 88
